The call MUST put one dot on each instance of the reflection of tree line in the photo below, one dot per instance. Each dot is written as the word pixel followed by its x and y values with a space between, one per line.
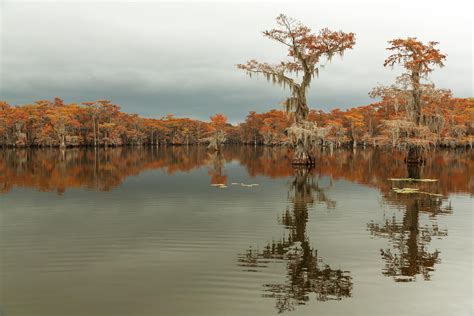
pixel 452 168
pixel 57 170
pixel 306 273
pixel 54 169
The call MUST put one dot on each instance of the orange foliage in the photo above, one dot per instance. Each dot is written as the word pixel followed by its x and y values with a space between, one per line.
pixel 53 123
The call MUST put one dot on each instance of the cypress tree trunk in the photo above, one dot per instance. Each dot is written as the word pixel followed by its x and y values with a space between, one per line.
pixel 414 155
pixel 414 170
pixel 414 152
pixel 303 154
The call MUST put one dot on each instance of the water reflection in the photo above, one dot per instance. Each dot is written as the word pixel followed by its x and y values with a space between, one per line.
pixel 99 169
pixel 216 166
pixel 408 254
pixel 306 272
pixel 160 239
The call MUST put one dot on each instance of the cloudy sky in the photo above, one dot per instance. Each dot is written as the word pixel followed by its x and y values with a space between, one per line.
pixel 154 58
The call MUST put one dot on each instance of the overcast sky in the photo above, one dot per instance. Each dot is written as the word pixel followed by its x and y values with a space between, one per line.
pixel 154 58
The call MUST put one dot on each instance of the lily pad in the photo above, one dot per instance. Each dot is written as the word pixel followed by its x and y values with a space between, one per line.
pixel 413 179
pixel 406 190
pixel 249 185
pixel 413 191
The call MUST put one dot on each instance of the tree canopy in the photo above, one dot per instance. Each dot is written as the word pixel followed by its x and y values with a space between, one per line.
pixel 305 50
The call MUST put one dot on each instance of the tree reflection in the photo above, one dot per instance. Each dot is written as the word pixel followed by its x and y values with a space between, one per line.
pixel 306 273
pixel 58 170
pixel 216 166
pixel 98 169
pixel 408 254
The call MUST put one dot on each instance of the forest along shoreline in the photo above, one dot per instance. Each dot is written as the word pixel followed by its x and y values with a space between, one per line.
pixel 46 123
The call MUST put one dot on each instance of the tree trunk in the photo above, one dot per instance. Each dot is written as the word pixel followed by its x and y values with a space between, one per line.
pixel 302 156
pixel 62 143
pixel 95 132
pixel 415 77
pixel 414 156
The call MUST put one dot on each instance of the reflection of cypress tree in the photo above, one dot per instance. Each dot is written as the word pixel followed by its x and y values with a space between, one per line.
pixel 306 273
pixel 216 165
pixel 408 255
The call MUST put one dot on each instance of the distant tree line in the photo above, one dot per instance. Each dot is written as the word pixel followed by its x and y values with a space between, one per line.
pixel 444 121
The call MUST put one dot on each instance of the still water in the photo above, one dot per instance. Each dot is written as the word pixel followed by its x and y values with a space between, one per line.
pixel 180 231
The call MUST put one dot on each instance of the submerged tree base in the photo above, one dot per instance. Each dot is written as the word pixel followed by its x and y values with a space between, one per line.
pixel 414 156
pixel 414 161
pixel 303 157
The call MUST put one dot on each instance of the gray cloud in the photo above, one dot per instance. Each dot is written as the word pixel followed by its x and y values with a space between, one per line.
pixel 157 58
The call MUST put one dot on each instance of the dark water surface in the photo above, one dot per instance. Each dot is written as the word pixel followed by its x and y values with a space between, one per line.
pixel 142 231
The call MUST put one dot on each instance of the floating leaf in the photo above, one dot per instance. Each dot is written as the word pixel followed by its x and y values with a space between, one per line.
pixel 413 191
pixel 413 179
pixel 249 185
pixel 406 190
